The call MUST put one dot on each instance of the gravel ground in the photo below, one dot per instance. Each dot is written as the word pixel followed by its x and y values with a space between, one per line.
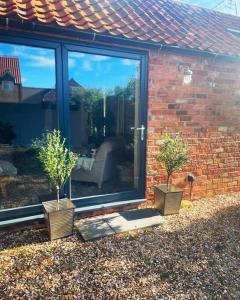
pixel 194 255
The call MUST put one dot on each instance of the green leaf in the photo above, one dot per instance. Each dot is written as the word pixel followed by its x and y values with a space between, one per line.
pixel 173 153
pixel 56 159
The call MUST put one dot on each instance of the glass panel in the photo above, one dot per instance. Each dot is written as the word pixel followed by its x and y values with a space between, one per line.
pixel 104 110
pixel 27 109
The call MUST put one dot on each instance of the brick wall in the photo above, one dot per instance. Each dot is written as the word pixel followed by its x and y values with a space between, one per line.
pixel 207 114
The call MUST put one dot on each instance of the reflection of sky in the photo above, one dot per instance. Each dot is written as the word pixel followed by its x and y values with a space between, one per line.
pixel 37 65
pixel 97 71
pixel 219 5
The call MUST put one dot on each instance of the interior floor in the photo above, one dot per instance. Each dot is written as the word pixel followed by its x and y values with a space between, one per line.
pixel 30 186
pixel 84 189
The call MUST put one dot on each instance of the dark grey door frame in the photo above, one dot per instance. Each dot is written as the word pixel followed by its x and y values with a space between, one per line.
pixel 61 49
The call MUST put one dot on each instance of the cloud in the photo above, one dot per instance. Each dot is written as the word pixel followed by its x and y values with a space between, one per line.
pixel 87 66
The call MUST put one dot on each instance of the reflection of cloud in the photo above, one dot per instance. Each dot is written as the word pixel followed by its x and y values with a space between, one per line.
pixel 102 69
pixel 99 57
pixel 87 60
pixel 107 68
pixel 36 64
pixel 41 61
pixel 76 54
pixel 93 57
pixel 87 66
pixel 71 62
pixel 21 51
pixel 35 57
pixel 129 62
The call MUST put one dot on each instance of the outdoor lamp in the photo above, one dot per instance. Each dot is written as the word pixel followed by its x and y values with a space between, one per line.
pixel 187 73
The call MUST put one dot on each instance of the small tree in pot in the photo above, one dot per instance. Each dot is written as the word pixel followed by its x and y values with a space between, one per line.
pixel 174 155
pixel 57 162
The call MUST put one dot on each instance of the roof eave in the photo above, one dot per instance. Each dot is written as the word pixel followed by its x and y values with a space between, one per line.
pixel 93 36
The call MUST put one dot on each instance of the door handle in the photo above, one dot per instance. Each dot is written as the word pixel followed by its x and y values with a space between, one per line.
pixel 142 129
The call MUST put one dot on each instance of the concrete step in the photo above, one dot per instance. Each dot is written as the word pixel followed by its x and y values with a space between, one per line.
pixel 100 226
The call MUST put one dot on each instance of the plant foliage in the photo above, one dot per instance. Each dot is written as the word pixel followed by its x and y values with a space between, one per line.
pixel 56 159
pixel 173 153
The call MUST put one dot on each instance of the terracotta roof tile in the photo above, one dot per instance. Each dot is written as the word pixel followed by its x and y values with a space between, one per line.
pixel 160 21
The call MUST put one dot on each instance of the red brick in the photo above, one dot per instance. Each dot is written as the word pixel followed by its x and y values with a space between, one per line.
pixel 197 112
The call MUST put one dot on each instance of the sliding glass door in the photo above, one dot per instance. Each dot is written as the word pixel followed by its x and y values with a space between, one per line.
pixel 28 107
pixel 96 97
pixel 106 129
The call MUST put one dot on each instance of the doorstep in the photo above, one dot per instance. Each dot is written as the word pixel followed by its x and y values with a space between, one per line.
pixel 101 226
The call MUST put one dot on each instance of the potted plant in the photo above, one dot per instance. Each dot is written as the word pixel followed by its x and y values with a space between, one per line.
pixel 57 162
pixel 174 155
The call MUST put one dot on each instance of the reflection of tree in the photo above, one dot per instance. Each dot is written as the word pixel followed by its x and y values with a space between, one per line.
pixel 128 91
pixel 106 109
pixel 124 98
pixel 88 97
pixel 91 100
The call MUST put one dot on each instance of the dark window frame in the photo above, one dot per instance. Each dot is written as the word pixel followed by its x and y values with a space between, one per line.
pixel 61 46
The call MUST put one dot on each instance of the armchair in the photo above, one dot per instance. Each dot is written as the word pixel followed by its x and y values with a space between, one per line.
pixel 109 154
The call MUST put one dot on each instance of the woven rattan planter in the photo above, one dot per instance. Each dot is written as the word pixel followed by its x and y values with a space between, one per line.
pixel 168 201
pixel 59 221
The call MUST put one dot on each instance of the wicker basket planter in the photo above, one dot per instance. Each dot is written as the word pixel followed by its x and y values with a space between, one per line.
pixel 60 221
pixel 168 201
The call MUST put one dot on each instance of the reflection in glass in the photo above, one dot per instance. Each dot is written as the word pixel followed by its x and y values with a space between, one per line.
pixel 27 109
pixel 104 106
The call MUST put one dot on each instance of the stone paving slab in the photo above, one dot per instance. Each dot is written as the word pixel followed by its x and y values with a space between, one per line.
pixel 93 228
pixel 135 219
pixel 100 226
